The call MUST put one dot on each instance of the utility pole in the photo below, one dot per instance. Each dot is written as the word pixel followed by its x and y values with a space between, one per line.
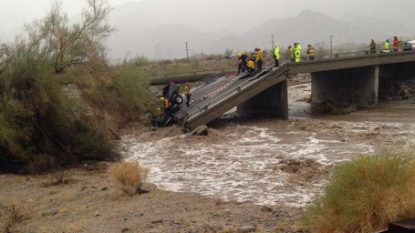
pixel 331 46
pixel 272 42
pixel 187 51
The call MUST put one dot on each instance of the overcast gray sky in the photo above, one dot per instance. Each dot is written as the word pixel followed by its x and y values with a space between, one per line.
pixel 14 13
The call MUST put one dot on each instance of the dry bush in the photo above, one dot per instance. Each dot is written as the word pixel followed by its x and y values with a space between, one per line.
pixel 59 178
pixel 130 176
pixel 365 194
pixel 10 215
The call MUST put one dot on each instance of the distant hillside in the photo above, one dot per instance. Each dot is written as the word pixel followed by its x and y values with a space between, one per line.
pixel 308 27
pixel 143 29
pixel 372 24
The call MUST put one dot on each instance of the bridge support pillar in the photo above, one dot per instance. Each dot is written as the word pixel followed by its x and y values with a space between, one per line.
pixel 272 102
pixel 359 86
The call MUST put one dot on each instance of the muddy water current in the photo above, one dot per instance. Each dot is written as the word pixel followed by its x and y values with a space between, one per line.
pixel 269 162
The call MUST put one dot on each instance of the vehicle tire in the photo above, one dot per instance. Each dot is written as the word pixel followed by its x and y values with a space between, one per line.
pixel 178 99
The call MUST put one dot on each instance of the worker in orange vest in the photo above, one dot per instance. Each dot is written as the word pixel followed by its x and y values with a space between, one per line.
pixel 396 44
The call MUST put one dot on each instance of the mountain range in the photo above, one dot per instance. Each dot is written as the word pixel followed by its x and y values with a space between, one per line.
pixel 145 28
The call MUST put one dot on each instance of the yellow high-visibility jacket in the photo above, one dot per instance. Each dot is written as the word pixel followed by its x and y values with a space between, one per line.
pixel 251 64
pixel 297 54
pixel 186 89
pixel 387 45
pixel 277 53
pixel 259 56
pixel 166 103
pixel 291 51
pixel 311 51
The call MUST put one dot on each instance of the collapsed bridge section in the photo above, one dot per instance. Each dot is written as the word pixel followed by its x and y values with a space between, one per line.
pixel 263 94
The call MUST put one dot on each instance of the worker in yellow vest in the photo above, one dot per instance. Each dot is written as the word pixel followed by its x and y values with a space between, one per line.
pixel 311 52
pixel 386 48
pixel 277 55
pixel 290 53
pixel 187 94
pixel 165 102
pixel 297 52
pixel 259 58
pixel 251 65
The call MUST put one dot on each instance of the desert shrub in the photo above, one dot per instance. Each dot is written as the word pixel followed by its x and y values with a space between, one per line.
pixel 141 61
pixel 228 53
pixel 10 215
pixel 40 125
pixel 126 94
pixel 365 194
pixel 129 176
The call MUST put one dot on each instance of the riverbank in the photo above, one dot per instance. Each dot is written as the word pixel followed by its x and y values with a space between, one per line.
pixel 91 202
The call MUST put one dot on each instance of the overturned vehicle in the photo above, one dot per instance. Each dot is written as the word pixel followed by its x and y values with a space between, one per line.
pixel 171 100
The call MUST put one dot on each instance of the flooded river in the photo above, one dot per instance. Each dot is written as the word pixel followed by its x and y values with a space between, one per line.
pixel 269 162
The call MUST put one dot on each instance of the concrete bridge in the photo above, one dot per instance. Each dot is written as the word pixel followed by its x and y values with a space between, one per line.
pixel 353 80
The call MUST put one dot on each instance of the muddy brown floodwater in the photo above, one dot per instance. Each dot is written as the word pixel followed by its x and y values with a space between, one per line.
pixel 269 162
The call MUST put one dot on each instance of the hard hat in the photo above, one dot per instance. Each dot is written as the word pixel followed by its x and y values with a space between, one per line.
pixel 161 98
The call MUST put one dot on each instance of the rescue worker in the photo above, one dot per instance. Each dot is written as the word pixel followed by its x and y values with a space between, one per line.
pixel 254 54
pixel 165 102
pixel 251 65
pixel 372 46
pixel 291 53
pixel 396 44
pixel 259 58
pixel 297 52
pixel 386 48
pixel 240 67
pixel 277 55
pixel 299 46
pixel 187 94
pixel 311 52
pixel 244 57
pixel 288 53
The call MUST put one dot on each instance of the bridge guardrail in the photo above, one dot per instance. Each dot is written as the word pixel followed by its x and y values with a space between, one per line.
pixel 240 87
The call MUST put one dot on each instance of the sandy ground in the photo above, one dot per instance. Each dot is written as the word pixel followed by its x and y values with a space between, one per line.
pixel 91 202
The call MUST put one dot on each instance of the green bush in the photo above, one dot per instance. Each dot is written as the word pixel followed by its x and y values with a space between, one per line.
pixel 41 127
pixel 125 93
pixel 38 120
pixel 365 194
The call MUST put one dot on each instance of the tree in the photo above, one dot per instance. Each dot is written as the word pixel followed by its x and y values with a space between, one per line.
pixel 80 43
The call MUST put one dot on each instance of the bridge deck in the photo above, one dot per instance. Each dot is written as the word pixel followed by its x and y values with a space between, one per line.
pixel 228 92
pixel 352 62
